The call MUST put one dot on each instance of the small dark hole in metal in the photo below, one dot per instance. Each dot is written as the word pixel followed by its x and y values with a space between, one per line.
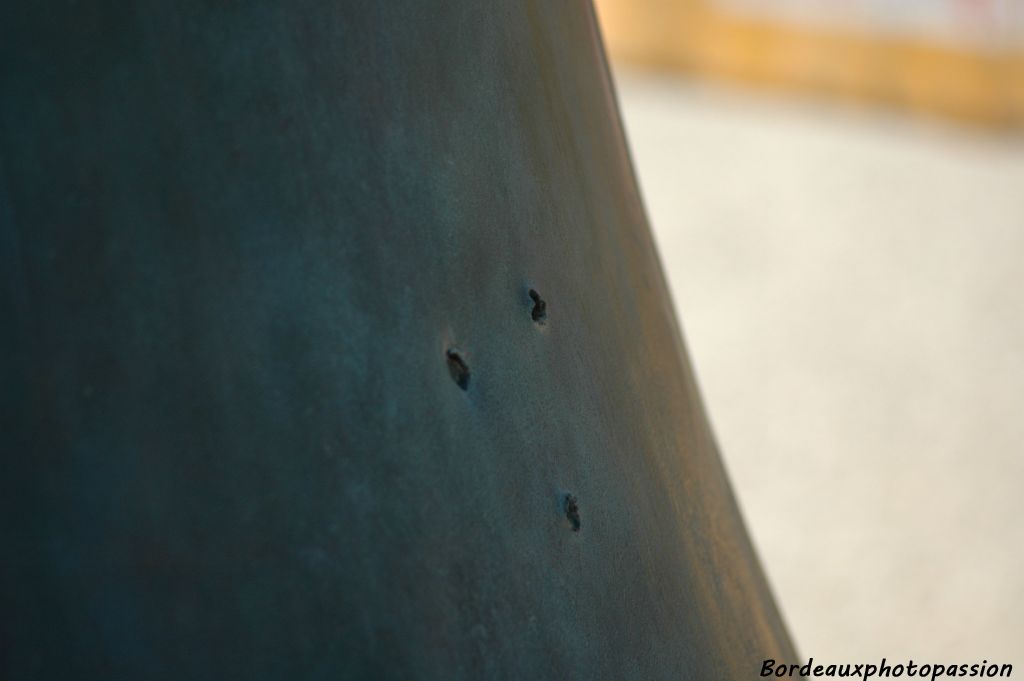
pixel 572 512
pixel 458 369
pixel 539 313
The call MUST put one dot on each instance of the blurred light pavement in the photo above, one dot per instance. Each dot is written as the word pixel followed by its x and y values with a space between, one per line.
pixel 851 287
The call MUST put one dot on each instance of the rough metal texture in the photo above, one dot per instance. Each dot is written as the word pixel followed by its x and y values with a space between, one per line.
pixel 249 250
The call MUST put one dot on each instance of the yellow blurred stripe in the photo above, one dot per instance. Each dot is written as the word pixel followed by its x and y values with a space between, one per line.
pixel 921 75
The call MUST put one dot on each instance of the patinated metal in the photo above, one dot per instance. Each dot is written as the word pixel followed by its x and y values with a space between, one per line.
pixel 325 325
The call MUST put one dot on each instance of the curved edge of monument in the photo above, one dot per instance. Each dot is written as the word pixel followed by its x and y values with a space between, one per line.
pixel 336 346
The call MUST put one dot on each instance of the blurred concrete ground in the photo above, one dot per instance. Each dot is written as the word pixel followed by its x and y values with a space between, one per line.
pixel 851 287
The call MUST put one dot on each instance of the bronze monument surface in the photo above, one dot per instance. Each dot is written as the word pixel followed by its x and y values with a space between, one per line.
pixel 335 346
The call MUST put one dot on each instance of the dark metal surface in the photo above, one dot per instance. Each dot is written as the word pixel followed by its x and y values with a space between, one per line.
pixel 277 401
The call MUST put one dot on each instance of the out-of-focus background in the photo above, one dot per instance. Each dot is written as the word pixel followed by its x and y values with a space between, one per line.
pixel 837 191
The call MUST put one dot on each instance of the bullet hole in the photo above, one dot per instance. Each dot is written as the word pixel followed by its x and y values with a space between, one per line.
pixel 458 368
pixel 539 313
pixel 572 512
